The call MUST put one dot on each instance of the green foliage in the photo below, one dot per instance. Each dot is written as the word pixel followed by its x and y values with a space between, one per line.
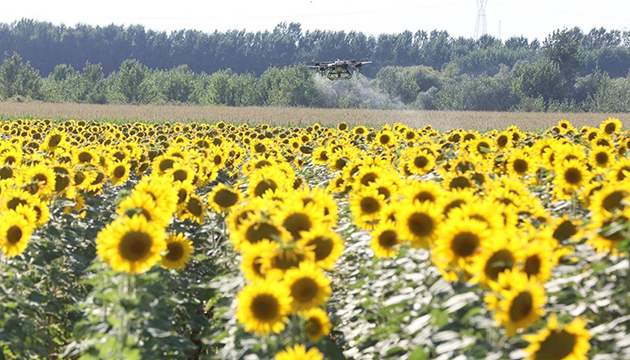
pixel 19 79
pixel 405 83
pixel 541 79
pixel 132 83
pixel 563 48
pixel 613 95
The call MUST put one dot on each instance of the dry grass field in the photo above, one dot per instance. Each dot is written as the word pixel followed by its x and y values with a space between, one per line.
pixel 441 120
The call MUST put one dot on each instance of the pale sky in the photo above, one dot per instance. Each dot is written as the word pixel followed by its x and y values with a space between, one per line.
pixel 533 19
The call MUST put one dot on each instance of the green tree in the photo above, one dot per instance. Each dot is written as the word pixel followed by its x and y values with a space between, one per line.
pixel 19 79
pixel 132 84
pixel 563 48
pixel 92 84
pixel 540 79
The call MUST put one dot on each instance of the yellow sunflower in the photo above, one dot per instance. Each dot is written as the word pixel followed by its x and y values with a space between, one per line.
pixel 39 179
pixel 257 228
pixel 419 223
pixel 194 209
pixel 308 286
pixel 386 240
pixel 367 205
pixel 317 324
pixel 571 175
pixel 504 252
pixel 179 250
pixel 252 258
pixel 298 218
pixel 263 307
pixel 132 245
pixel 15 232
pixel 118 172
pixel 298 352
pixel 519 306
pixel 223 198
pixel 143 204
pixel 326 244
pixel 456 245
pixel 570 342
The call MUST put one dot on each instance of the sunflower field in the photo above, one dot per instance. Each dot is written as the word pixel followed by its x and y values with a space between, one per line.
pixel 221 241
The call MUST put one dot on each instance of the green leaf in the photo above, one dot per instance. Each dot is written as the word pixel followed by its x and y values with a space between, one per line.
pixel 440 318
pixel 330 349
pixel 418 354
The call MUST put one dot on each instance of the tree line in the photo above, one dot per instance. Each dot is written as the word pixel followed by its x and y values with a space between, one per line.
pixel 568 71
pixel 46 45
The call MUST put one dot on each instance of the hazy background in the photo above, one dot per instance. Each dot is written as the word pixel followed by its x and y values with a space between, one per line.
pixel 532 19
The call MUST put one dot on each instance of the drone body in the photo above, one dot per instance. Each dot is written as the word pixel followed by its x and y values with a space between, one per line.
pixel 338 69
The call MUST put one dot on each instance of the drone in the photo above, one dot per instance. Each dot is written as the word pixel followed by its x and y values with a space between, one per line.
pixel 339 69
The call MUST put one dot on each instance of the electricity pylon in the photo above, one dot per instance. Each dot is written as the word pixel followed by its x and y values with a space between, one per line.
pixel 481 27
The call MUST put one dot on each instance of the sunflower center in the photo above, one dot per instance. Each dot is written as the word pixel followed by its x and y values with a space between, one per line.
pixel 260 231
pixel 522 306
pixel 573 176
pixel 62 181
pixel 601 158
pixel 287 259
pixel 54 140
pixel 323 247
pixel 217 160
pixel 265 185
pixel 135 245
pixel 465 244
pixel 520 166
pixel 610 128
pixel 617 234
pixel 385 139
pixel 297 222
pixel 420 224
pixel 79 178
pixel 180 175
pixel 502 140
pixel 225 198
pixel 175 251
pixel 613 201
pixel 388 239
pixel 382 190
pixel 340 164
pixel 14 234
pixel 459 182
pixel 120 171
pixel 257 266
pixel 368 178
pixel 85 157
pixel 265 307
pixel 182 194
pixel 420 161
pixel 557 346
pixel 313 327
pixel 620 173
pixel 499 262
pixel 304 290
pixel 532 265
pixel 166 164
pixel 564 231
pixel 370 205
pixel 454 204
pixel 194 207
pixel 425 196
pixel 6 172
pixel 480 218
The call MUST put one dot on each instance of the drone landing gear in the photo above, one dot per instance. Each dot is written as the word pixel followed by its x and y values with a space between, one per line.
pixel 339 75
